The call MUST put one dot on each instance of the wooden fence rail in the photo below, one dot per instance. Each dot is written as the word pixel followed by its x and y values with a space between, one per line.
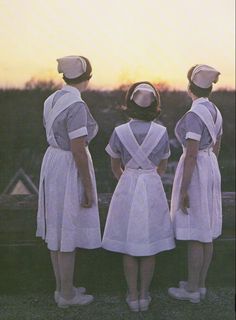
pixel 19 202
pixel 18 217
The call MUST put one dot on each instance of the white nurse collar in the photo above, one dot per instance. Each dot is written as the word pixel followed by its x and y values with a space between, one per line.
pixel 204 76
pixel 143 95
pixel 71 66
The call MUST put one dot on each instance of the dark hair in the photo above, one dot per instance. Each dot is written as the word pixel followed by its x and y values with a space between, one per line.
pixel 197 91
pixel 135 111
pixel 84 77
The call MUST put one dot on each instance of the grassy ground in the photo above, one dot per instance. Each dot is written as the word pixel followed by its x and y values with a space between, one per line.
pixel 27 284
pixel 218 306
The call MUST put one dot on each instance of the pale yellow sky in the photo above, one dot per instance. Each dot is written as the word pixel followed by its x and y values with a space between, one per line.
pixel 125 40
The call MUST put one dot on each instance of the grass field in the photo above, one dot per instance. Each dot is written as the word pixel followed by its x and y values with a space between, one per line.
pixel 27 285
pixel 218 306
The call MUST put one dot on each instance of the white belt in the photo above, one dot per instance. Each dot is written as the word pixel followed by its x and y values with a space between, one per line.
pixel 207 150
pixel 58 149
pixel 140 170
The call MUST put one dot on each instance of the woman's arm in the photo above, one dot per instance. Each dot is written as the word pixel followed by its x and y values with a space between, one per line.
pixel 116 167
pixel 216 148
pixel 81 158
pixel 192 147
pixel 162 167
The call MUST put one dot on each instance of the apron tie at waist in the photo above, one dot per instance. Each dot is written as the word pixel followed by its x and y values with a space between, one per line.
pixel 57 147
pixel 208 150
pixel 140 170
pixel 54 147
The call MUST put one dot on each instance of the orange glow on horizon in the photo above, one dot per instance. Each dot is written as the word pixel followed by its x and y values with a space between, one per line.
pixel 125 40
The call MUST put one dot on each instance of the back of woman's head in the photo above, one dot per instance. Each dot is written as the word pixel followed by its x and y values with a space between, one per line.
pixel 142 101
pixel 201 78
pixel 75 69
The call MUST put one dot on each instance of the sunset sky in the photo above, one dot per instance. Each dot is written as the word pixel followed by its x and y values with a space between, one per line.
pixel 125 40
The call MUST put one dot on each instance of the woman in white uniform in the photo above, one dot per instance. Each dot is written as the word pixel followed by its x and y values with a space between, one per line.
pixel 196 196
pixel 68 215
pixel 138 223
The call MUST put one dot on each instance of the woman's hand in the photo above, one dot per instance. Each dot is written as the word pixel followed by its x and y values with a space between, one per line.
pixel 88 199
pixel 192 147
pixel 116 167
pixel 184 202
pixel 161 169
pixel 78 148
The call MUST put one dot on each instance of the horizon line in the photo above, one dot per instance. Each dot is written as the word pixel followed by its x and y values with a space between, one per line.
pixel 44 84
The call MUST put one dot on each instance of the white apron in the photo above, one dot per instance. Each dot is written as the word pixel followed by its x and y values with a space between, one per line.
pixel 61 221
pixel 138 221
pixel 204 219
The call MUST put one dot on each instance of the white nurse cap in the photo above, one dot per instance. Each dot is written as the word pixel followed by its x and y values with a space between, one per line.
pixel 71 66
pixel 143 95
pixel 204 76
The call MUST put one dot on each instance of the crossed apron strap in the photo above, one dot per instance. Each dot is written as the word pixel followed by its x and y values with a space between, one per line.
pixel 218 123
pixel 140 153
pixel 62 104
pixel 206 116
pixel 48 105
pixel 153 137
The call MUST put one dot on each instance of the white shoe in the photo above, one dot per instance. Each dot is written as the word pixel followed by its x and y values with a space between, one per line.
pixel 202 291
pixel 144 303
pixel 78 300
pixel 182 294
pixel 133 304
pixel 79 290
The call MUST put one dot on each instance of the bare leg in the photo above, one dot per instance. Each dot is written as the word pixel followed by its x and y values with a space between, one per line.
pixel 207 257
pixel 147 266
pixel 195 263
pixel 130 265
pixel 66 265
pixel 55 265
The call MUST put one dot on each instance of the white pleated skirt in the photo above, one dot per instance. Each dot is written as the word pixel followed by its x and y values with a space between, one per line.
pixel 204 219
pixel 61 220
pixel 138 221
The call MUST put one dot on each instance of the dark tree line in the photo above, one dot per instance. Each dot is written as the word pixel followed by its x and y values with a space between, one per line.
pixel 23 142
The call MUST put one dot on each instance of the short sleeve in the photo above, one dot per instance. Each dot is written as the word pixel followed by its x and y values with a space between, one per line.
pixel 77 120
pixel 114 146
pixel 193 126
